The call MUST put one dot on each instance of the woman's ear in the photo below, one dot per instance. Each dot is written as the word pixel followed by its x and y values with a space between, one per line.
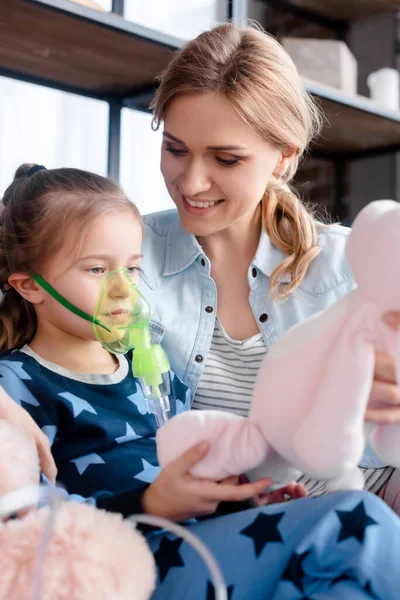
pixel 27 287
pixel 286 157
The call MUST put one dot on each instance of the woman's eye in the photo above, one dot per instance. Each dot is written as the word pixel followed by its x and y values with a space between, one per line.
pixel 228 162
pixel 176 151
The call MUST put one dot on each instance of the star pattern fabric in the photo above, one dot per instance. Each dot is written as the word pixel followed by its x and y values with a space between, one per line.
pixel 78 404
pixel 211 591
pixel 140 402
pixel 264 530
pixel 294 571
pixel 340 578
pixel 168 556
pixel 129 436
pixel 102 437
pixel 149 472
pixel 354 523
pixel 50 431
pixel 83 462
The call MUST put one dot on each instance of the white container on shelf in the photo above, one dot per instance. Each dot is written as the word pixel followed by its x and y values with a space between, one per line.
pixel 325 61
pixel 384 87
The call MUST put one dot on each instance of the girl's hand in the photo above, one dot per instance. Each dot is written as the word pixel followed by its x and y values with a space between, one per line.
pixel 384 390
pixel 177 495
pixel 11 412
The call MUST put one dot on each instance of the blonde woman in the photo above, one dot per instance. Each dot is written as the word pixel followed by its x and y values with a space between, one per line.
pixel 242 259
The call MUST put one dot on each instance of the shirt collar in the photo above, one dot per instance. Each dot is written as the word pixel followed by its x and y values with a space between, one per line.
pixel 268 257
pixel 183 249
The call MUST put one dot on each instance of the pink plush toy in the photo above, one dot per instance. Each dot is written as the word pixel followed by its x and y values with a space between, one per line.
pixel 90 555
pixel 312 390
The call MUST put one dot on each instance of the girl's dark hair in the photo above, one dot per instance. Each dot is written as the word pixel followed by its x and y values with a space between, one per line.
pixel 39 211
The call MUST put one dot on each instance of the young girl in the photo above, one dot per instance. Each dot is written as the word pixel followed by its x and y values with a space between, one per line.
pixel 71 228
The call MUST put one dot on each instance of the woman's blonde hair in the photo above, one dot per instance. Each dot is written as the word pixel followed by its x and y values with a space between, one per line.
pixel 40 210
pixel 260 81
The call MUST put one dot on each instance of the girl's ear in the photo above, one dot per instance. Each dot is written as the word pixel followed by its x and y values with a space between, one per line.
pixel 27 287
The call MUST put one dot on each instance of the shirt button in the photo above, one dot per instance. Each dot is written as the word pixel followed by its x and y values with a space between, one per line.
pixel 198 358
pixel 209 309
pixel 263 318
pixel 254 272
pixel 203 262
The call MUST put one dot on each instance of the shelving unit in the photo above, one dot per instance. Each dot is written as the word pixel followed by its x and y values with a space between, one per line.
pixel 339 10
pixel 65 45
pixel 79 49
pixel 356 127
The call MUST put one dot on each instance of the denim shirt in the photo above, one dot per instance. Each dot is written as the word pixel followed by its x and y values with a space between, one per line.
pixel 183 296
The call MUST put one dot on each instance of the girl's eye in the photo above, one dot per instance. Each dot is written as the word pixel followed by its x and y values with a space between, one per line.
pixel 228 163
pixel 97 270
pixel 134 269
pixel 176 151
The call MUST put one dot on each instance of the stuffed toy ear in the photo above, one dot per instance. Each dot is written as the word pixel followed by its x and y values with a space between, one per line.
pixel 330 440
pixel 398 358
pixel 19 465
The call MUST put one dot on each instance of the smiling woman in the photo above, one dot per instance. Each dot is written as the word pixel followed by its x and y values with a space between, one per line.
pixel 242 260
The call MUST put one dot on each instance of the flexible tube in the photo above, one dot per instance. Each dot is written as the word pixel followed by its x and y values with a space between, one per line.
pixel 195 542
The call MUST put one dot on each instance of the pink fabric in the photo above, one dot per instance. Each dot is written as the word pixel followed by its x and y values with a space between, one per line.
pixel 91 554
pixel 313 387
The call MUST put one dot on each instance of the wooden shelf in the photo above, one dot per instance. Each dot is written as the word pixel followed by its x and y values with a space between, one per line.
pixel 80 49
pixel 355 124
pixel 69 46
pixel 346 10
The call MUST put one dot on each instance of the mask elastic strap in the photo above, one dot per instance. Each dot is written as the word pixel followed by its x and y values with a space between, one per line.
pixel 66 303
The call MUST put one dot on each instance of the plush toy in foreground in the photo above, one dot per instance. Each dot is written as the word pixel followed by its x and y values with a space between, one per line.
pixel 90 553
pixel 310 397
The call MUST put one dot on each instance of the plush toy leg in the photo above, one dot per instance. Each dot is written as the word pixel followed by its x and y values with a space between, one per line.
pixel 236 444
pixel 352 479
pixel 330 440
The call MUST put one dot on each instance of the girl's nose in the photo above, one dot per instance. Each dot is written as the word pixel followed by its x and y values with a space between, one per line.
pixel 119 286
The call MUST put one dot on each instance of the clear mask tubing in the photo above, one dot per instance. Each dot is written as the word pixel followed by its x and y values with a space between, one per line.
pixel 121 323
pixel 18 500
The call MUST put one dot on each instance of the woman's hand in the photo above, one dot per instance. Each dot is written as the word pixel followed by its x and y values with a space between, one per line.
pixel 177 495
pixel 11 412
pixel 292 491
pixel 384 401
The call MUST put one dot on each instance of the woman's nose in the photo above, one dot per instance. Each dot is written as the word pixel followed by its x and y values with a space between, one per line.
pixel 195 179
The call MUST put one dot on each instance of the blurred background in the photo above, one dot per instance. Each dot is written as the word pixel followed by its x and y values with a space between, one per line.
pixel 76 78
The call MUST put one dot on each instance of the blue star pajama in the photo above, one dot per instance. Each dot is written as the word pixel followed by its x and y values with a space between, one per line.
pixel 344 546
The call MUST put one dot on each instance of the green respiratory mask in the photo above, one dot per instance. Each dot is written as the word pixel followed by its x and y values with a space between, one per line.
pixel 121 323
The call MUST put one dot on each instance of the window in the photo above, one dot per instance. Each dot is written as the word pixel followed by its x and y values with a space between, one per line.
pixel 140 163
pixel 46 126
pixel 181 18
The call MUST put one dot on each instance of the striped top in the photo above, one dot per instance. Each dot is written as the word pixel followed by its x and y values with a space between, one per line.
pixel 229 374
pixel 227 384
